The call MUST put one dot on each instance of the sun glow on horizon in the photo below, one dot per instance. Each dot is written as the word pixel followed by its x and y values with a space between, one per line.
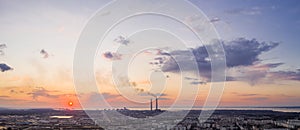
pixel 70 103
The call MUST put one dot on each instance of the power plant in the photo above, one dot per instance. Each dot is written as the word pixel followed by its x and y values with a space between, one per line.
pixel 151 104
pixel 143 113
pixel 156 104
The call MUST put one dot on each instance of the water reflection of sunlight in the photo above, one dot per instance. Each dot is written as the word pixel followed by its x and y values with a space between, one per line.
pixel 61 117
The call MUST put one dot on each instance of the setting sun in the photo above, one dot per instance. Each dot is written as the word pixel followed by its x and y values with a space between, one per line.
pixel 70 103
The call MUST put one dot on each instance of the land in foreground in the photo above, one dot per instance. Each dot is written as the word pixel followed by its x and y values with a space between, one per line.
pixel 42 119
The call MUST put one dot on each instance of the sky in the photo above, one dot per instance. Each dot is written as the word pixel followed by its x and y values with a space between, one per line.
pixel 38 41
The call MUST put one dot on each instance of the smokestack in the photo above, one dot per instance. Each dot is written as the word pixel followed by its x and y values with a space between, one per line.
pixel 156 101
pixel 151 104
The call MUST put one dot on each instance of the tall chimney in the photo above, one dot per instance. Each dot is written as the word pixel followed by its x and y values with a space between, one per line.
pixel 156 101
pixel 151 104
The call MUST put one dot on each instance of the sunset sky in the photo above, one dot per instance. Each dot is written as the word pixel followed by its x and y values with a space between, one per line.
pixel 38 40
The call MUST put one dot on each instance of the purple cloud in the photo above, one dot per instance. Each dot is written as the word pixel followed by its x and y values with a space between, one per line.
pixel 4 67
pixel 122 40
pixel 286 75
pixel 44 53
pixel 239 52
pixel 243 52
pixel 215 19
pixel 41 92
pixel 2 46
pixel 112 56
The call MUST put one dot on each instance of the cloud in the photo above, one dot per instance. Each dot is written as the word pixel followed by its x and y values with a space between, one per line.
pixel 286 75
pixel 158 61
pixel 242 60
pixel 262 73
pixel 270 65
pixel 245 11
pixel 4 97
pixel 4 67
pixel 42 92
pixel 239 52
pixel 155 95
pixel 184 58
pixel 164 98
pixel 195 81
pixel 256 98
pixel 13 91
pixel 11 102
pixel 23 95
pixel 122 40
pixel 162 52
pixel 252 76
pixel 140 91
pixel 190 78
pixel 215 19
pixel 248 95
pixel 112 56
pixel 44 53
pixel 243 52
pixel 143 92
pixel 252 96
pixel 2 46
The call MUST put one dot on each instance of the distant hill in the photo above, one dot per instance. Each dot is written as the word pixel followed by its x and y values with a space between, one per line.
pixel 3 108
pixel 6 111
